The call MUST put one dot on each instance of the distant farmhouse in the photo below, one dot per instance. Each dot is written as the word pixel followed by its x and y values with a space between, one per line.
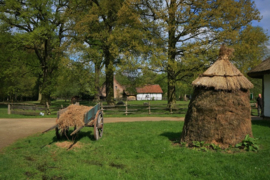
pixel 262 71
pixel 148 92
pixel 119 91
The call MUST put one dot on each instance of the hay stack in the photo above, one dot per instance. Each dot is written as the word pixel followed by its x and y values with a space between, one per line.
pixel 219 111
pixel 74 116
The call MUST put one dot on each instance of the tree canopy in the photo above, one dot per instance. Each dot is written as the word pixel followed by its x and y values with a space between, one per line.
pixel 189 29
pixel 140 41
pixel 40 26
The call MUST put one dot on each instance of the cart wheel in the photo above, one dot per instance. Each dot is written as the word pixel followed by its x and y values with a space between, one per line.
pixel 98 127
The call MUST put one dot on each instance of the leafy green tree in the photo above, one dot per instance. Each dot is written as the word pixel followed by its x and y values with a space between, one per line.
pixel 111 28
pixel 190 28
pixel 75 79
pixel 250 50
pixel 40 26
pixel 90 54
pixel 130 75
pixel 17 78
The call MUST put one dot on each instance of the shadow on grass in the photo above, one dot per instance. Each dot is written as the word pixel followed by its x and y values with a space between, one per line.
pixel 172 136
pixel 261 123
pixel 89 134
pixel 75 138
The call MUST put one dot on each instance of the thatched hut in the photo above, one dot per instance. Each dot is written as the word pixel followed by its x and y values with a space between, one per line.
pixel 219 111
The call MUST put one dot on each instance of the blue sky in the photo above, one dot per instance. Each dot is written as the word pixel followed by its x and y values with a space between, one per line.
pixel 264 8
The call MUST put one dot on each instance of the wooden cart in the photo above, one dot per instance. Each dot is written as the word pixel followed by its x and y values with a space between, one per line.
pixel 93 118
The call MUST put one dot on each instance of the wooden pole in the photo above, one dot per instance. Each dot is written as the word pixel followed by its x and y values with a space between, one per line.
pixel 8 108
pixel 149 110
pixel 126 108
pixel 102 110
pixel 48 112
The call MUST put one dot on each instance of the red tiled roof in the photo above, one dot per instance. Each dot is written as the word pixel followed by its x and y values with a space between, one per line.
pixel 150 89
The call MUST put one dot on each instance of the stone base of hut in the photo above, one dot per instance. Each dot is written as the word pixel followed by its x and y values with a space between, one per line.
pixel 218 117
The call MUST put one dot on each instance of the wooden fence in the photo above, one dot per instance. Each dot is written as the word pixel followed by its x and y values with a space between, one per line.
pixel 26 109
pixel 32 110
pixel 144 108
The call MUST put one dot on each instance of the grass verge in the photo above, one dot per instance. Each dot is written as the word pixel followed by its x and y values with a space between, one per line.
pixel 137 150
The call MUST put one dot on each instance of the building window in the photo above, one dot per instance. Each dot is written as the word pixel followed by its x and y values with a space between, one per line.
pixel 116 87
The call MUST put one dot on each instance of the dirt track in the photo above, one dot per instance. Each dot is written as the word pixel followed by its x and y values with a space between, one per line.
pixel 14 129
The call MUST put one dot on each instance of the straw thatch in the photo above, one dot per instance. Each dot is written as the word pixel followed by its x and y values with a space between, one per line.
pixel 218 117
pixel 260 70
pixel 223 75
pixel 219 111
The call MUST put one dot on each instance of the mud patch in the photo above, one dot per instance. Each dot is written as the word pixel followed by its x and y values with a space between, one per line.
pixel 42 168
pixel 95 163
pixel 118 166
pixel 29 174
pixel 44 177
pixel 29 158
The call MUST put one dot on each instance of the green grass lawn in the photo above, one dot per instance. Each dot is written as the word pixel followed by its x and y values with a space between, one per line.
pixel 137 150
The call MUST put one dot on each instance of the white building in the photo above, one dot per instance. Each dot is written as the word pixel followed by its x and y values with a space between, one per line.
pixel 262 71
pixel 149 92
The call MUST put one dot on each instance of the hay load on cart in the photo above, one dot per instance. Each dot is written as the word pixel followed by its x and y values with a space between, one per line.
pixel 78 116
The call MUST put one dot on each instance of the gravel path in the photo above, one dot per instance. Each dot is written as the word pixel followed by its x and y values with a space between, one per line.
pixel 14 129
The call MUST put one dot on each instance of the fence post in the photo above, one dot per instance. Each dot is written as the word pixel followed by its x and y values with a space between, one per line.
pixel 126 108
pixel 171 108
pixel 101 108
pixel 8 108
pixel 48 112
pixel 149 112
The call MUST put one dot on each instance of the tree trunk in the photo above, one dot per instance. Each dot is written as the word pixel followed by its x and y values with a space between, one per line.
pixel 97 70
pixel 171 91
pixel 45 98
pixel 171 55
pixel 109 84
pixel 39 96
pixel 45 87
pixel 109 77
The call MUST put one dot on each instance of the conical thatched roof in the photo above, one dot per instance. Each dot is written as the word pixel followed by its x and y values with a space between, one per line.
pixel 223 75
pixel 260 70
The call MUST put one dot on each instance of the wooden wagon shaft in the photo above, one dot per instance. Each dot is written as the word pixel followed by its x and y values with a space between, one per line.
pixel 91 123
pixel 77 130
pixel 51 128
